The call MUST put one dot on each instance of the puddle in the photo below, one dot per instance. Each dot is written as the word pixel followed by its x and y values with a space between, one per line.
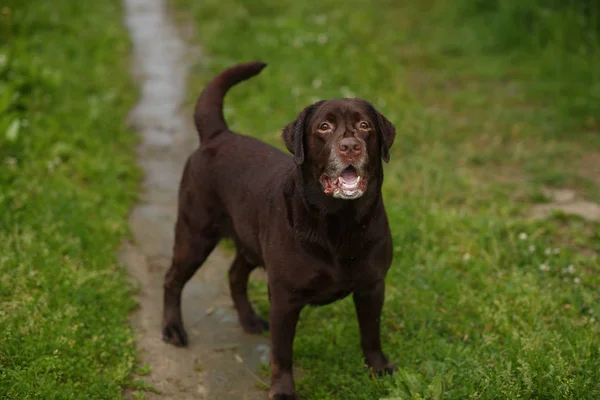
pixel 204 370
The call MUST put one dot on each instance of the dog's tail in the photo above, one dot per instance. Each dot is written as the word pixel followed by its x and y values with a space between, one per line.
pixel 208 114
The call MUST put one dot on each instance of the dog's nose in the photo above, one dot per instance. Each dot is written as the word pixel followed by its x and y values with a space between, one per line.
pixel 350 147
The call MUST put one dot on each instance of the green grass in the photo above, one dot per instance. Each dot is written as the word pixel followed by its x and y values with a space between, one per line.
pixel 67 181
pixel 482 302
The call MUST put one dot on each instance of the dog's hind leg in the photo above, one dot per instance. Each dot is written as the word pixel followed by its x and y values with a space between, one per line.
pixel 192 246
pixel 239 272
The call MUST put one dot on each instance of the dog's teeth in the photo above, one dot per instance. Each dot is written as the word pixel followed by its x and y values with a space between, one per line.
pixel 349 186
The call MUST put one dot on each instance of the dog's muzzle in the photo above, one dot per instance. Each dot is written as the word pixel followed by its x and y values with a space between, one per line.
pixel 347 185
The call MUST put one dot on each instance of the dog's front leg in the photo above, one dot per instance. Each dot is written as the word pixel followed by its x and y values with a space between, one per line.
pixel 368 303
pixel 284 317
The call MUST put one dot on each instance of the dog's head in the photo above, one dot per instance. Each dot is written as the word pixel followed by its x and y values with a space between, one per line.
pixel 340 143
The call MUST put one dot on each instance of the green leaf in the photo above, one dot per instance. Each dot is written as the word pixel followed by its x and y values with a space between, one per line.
pixel 12 133
pixel 436 388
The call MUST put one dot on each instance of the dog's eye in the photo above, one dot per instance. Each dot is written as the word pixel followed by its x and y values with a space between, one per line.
pixel 364 125
pixel 324 126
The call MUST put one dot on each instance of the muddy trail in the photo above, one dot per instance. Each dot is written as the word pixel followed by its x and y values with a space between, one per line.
pixel 221 361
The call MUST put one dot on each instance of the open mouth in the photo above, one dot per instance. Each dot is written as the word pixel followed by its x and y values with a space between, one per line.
pixel 348 185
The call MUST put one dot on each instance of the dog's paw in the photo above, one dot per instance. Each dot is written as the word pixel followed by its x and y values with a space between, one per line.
pixel 278 396
pixel 175 334
pixel 387 369
pixel 379 364
pixel 255 325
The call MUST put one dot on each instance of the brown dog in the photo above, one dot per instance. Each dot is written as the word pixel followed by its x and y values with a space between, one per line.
pixel 316 222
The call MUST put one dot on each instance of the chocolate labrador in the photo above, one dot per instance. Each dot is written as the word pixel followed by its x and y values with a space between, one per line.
pixel 316 222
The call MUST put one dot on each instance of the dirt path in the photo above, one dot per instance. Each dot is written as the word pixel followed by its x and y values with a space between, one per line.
pixel 567 201
pixel 221 361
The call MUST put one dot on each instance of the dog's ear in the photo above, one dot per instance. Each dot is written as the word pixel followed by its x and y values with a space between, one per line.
pixel 293 133
pixel 387 133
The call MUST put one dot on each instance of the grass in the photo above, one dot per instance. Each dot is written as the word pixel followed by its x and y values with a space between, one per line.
pixel 67 181
pixel 492 106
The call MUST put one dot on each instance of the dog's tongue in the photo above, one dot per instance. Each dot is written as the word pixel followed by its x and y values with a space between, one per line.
pixel 349 176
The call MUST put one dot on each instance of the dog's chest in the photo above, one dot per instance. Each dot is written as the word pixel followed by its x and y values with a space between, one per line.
pixel 327 283
pixel 334 269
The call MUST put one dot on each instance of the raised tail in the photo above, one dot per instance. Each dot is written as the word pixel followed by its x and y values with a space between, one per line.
pixel 208 114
